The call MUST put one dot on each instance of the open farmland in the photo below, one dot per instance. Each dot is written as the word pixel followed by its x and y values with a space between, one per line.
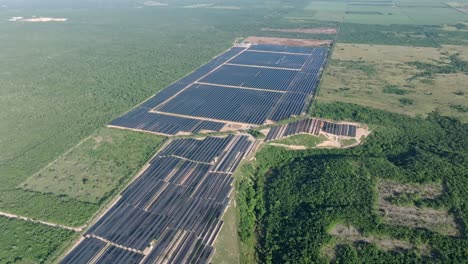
pixel 387 77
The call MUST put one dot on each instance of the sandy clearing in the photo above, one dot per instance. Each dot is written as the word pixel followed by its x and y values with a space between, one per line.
pixel 303 30
pixel 37 19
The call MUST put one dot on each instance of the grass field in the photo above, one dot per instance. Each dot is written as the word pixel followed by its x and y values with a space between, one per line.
pixel 381 77
pixel 94 169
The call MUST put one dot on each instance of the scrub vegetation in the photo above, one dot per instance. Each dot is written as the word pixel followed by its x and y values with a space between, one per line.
pixel 290 199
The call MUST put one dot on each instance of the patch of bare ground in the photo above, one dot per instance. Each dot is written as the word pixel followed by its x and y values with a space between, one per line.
pixel 437 220
pixel 38 19
pixel 288 41
pixel 303 30
pixel 334 141
pixel 154 3
pixel 346 234
pixel 291 147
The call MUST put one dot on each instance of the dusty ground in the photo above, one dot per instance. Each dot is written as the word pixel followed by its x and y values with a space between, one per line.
pixel 347 234
pixel 358 73
pixel 304 30
pixel 288 41
pixel 37 19
pixel 437 220
pixel 154 3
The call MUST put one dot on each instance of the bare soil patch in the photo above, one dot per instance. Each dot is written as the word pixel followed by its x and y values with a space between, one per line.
pixel 288 41
pixel 303 30
pixel 347 234
pixel 38 19
pixel 437 220
pixel 154 3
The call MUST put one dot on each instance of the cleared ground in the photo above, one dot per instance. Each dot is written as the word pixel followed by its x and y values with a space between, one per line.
pixel 407 214
pixel 381 76
pixel 95 168
pixel 349 234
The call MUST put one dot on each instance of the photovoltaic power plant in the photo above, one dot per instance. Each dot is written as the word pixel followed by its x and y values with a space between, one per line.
pixel 311 126
pixel 245 85
pixel 172 212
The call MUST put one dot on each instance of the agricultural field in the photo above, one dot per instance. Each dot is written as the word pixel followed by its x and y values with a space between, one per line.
pixel 408 80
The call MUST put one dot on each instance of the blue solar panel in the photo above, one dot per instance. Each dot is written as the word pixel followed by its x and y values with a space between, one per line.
pixel 293 61
pixel 253 77
pixel 140 118
pixel 278 48
pixel 232 104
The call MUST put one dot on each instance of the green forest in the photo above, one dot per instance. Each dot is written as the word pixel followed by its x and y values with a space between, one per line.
pixel 289 200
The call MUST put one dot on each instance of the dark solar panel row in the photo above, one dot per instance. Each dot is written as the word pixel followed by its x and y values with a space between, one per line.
pixel 85 251
pixel 307 126
pixel 231 104
pixel 301 88
pixel 290 104
pixel 192 77
pixel 251 77
pixel 269 59
pixel 129 226
pixel 94 250
pixel 140 118
pixel 172 199
pixel 340 129
pixel 116 255
pixel 205 150
pixel 277 48
pixel 180 247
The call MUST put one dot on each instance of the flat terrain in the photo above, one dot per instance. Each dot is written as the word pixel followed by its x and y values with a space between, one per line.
pixel 94 169
pixel 383 77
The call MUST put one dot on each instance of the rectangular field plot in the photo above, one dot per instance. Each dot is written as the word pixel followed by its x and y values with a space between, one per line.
pixel 231 104
pixel 270 59
pixel 251 77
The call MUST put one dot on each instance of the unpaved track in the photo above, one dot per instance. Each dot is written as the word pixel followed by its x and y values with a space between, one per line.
pixel 19 217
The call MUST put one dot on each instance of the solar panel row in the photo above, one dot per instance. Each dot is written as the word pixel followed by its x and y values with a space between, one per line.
pixel 220 103
pixel 219 95
pixel 270 59
pixel 140 119
pixel 93 250
pixel 278 48
pixel 251 77
pixel 176 87
pixel 310 126
pixel 176 201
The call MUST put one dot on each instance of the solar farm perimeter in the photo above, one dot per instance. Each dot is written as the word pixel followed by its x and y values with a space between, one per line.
pixel 244 86
pixel 172 212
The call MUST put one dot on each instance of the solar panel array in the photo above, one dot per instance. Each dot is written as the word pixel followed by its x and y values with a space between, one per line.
pixel 172 212
pixel 247 85
pixel 311 126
